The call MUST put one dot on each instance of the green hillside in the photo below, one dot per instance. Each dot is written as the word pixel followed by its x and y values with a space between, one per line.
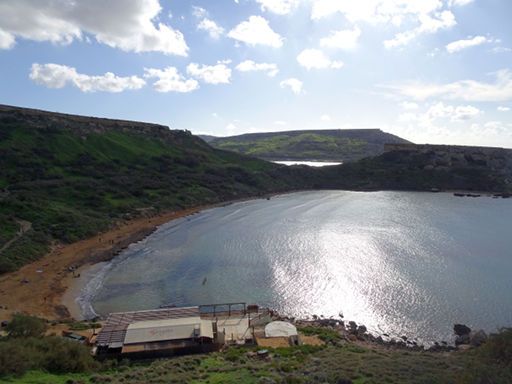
pixel 72 176
pixel 327 145
pixel 66 177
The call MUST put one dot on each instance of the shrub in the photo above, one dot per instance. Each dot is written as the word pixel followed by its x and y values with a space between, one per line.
pixel 499 347
pixel 323 333
pixel 26 326
pixel 51 354
pixel 13 360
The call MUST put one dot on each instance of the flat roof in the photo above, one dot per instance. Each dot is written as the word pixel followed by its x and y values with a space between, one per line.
pixel 114 331
pixel 168 329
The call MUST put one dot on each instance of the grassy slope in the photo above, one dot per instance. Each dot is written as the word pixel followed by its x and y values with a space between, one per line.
pixel 329 364
pixel 334 145
pixel 70 185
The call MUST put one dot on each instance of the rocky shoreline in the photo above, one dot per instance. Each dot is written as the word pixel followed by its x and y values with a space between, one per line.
pixel 350 331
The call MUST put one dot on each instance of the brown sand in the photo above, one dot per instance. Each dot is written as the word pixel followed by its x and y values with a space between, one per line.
pixel 47 279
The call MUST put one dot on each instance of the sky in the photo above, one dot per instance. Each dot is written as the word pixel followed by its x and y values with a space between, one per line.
pixel 430 71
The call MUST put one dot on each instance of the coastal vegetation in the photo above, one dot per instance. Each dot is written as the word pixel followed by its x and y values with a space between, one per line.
pixel 27 348
pixel 326 145
pixel 39 359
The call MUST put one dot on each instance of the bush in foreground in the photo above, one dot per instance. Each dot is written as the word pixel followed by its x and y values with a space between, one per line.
pixel 51 354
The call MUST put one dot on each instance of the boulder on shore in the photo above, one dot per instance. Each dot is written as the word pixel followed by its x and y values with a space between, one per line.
pixel 461 329
pixel 477 338
pixel 462 339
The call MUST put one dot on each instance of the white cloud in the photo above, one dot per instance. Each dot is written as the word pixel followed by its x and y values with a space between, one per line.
pixel 465 112
pixel 374 11
pixel 249 65
pixel 442 123
pixel 256 31
pixel 345 39
pixel 503 109
pixel 127 25
pixel 280 122
pixel 428 25
pixel 7 40
pixel 58 76
pixel 206 24
pixel 294 84
pixel 409 105
pixel 281 7
pixel 468 90
pixel 439 111
pixel 459 45
pixel 316 59
pixel 170 80
pixel 231 127
pixel 459 3
pixel 429 16
pixel 214 30
pixel 325 118
pixel 211 74
pixel 199 12
pixel 501 50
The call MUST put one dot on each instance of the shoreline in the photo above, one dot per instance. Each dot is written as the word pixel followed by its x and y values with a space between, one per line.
pixel 51 291
pixel 46 287
pixel 75 287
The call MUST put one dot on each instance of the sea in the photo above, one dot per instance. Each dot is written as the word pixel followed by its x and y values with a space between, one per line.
pixel 309 163
pixel 401 263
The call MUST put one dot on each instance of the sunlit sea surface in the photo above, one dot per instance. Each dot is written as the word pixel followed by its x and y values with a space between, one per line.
pixel 401 263
pixel 310 163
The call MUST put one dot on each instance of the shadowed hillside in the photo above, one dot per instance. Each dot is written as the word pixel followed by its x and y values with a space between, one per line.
pixel 72 176
pixel 427 167
pixel 327 145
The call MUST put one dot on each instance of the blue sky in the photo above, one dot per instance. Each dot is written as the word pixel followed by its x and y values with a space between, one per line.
pixel 431 71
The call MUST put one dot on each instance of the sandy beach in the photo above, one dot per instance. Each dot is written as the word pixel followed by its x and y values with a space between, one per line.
pixel 69 298
pixel 49 286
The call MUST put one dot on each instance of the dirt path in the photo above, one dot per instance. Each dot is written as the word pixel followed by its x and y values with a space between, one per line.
pixel 25 226
pixel 37 288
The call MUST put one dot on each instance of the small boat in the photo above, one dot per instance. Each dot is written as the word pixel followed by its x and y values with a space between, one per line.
pixel 204 280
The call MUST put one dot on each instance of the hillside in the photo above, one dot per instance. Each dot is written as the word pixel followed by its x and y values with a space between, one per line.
pixel 426 167
pixel 65 177
pixel 341 145
pixel 69 177
pixel 333 358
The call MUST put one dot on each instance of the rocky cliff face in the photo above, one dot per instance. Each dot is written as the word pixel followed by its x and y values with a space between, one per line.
pixel 83 125
pixel 449 157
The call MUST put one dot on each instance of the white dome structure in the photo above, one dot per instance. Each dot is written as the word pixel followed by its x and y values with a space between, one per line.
pixel 280 329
